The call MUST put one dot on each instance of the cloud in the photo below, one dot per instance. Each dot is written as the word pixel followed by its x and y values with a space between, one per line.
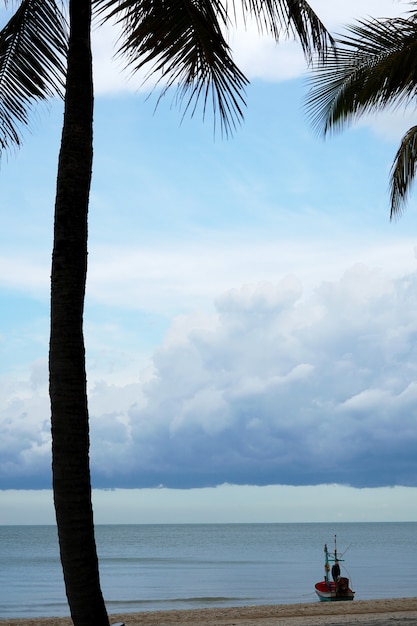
pixel 337 14
pixel 25 438
pixel 390 124
pixel 282 378
pixel 24 273
pixel 277 386
pixel 185 275
pixel 259 56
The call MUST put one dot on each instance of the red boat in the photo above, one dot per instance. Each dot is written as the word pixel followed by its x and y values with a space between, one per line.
pixel 337 589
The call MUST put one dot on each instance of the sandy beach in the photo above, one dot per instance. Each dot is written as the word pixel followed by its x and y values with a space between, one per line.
pixel 392 612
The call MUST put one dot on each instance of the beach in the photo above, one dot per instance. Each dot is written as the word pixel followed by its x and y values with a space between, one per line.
pixel 390 612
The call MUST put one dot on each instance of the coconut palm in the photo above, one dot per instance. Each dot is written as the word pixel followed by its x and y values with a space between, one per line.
pixel 372 67
pixel 45 52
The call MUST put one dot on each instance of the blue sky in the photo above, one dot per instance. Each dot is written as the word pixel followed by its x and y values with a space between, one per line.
pixel 250 315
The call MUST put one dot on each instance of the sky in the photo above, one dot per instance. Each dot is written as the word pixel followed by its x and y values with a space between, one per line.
pixel 250 318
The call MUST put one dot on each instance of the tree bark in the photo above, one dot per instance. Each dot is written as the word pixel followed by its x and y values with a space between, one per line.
pixel 67 372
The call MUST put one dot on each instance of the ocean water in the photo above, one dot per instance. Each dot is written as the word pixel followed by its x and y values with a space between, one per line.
pixel 158 567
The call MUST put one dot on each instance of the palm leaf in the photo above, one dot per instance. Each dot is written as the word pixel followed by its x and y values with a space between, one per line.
pixel 183 41
pixel 373 67
pixel 32 53
pixel 403 171
pixel 292 18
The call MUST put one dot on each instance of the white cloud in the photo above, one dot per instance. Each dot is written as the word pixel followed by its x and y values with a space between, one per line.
pixel 258 56
pixel 25 273
pixel 390 124
pixel 336 14
pixel 186 275
pixel 275 386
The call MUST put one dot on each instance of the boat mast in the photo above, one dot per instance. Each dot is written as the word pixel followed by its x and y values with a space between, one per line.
pixel 330 558
pixel 326 564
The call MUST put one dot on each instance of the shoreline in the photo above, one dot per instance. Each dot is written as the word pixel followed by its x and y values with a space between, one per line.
pixel 382 612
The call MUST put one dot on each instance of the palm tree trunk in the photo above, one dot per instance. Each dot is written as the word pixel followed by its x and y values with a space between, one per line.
pixel 67 374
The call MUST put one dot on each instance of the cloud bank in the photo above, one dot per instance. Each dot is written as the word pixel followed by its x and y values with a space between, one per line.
pixel 277 386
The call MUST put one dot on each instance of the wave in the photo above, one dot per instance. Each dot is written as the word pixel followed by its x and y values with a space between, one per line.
pixel 161 604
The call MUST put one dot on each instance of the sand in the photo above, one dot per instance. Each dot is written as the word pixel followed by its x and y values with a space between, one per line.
pixel 393 612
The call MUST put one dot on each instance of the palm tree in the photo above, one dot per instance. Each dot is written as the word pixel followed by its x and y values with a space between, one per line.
pixel 372 67
pixel 183 41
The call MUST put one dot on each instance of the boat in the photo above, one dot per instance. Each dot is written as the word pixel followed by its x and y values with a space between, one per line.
pixel 337 589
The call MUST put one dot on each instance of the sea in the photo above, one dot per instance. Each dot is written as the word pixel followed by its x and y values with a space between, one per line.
pixel 184 566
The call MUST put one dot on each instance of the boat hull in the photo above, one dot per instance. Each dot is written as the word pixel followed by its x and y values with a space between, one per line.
pixel 329 592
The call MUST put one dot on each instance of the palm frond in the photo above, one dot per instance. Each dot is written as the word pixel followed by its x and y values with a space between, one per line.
pixel 403 171
pixel 183 41
pixel 293 18
pixel 32 64
pixel 374 66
